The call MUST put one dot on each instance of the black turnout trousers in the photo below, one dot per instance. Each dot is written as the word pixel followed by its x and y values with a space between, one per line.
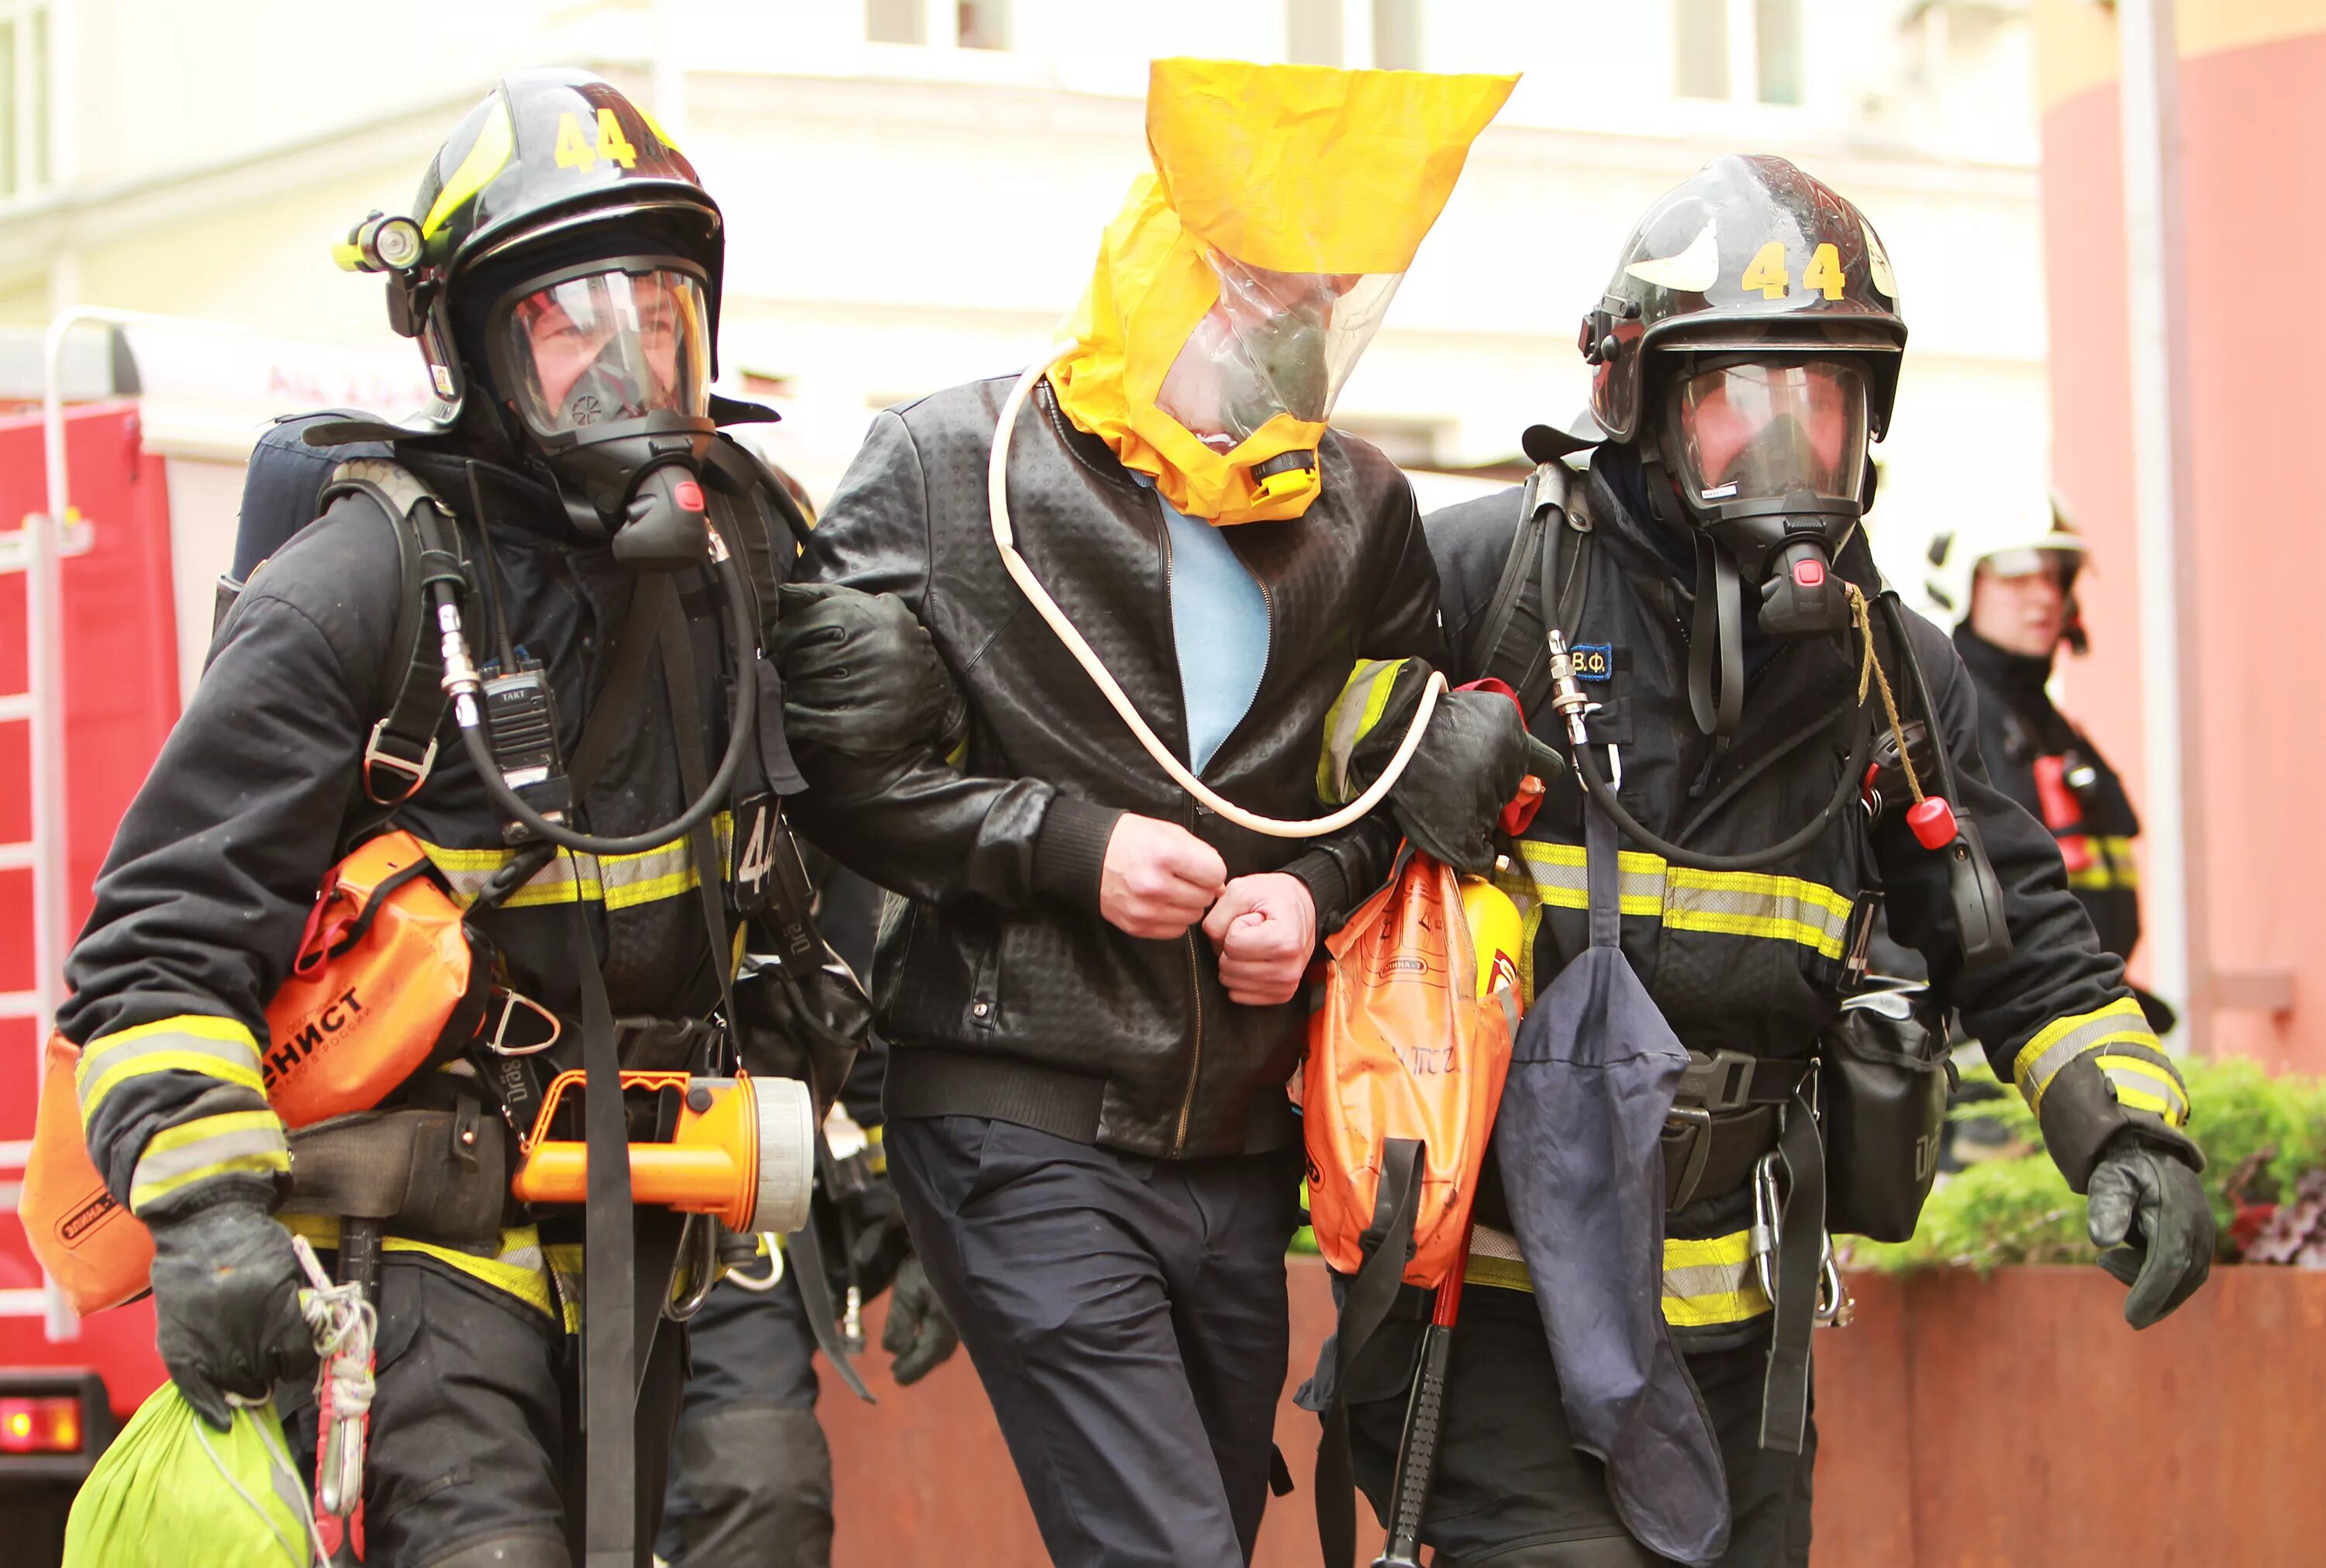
pixel 1128 1318
pixel 1512 1492
pixel 475 1450
pixel 750 1472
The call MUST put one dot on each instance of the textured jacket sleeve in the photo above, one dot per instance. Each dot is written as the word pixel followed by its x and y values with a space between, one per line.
pixel 2056 1018
pixel 908 821
pixel 1343 869
pixel 200 904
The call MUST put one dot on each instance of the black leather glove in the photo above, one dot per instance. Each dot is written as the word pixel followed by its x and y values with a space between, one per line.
pixel 225 1305
pixel 1466 769
pixel 860 673
pixel 2150 1218
pixel 920 1336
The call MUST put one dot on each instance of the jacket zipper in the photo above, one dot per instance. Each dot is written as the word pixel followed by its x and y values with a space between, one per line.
pixel 1194 1067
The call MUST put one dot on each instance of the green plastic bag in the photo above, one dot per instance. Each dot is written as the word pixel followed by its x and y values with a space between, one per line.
pixel 171 1491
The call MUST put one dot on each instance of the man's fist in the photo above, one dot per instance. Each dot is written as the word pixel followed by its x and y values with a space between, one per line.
pixel 1158 878
pixel 1265 928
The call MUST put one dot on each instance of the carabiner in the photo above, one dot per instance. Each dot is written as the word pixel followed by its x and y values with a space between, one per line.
pixel 1768 1224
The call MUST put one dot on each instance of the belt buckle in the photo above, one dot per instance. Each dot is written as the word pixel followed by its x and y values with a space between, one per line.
pixel 1730 1073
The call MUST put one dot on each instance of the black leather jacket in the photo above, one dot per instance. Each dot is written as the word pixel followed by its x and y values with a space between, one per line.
pixel 1002 991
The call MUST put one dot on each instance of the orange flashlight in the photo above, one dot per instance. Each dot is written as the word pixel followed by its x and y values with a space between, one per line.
pixel 741 1148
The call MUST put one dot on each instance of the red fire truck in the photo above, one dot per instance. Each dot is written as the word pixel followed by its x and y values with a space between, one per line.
pixel 102 625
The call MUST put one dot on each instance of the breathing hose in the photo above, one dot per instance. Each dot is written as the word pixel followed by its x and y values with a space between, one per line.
pixel 1587 770
pixel 997 491
pixel 463 685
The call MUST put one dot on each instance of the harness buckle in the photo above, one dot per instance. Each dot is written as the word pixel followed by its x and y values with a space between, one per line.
pixel 1719 1082
pixel 373 756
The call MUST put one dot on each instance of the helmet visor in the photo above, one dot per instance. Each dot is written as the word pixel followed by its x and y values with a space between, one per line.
pixel 605 348
pixel 1275 343
pixel 1763 431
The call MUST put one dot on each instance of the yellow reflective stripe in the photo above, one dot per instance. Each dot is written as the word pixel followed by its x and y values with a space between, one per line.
pixel 494 140
pixel 179 1156
pixel 2062 1041
pixel 617 881
pixel 1705 1283
pixel 219 1048
pixel 1346 723
pixel 1560 880
pixel 2125 1075
pixel 565 1261
pixel 1750 903
pixel 1754 903
pixel 523 1267
pixel 1711 1281
pixel 2112 866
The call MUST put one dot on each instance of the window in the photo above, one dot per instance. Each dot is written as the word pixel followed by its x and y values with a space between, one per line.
pixel 1700 49
pixel 896 21
pixel 23 99
pixel 984 23
pixel 1777 40
pixel 1312 31
pixel 1397 34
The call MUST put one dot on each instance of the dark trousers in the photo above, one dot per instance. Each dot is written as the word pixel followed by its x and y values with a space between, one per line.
pixel 1128 1318
pixel 750 1472
pixel 1512 1492
pixel 474 1454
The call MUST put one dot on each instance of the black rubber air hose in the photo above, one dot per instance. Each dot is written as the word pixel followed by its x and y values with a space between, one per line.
pixel 1586 769
pixel 744 639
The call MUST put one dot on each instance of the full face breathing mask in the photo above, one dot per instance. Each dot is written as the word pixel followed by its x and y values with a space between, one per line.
pixel 607 364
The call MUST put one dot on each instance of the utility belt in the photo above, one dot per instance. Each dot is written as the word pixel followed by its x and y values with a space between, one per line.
pixel 1723 1119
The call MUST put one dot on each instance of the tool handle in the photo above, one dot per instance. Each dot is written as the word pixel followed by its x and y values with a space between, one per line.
pixel 1417 1451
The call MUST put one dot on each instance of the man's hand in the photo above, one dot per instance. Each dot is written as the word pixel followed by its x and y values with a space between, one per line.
pixel 1158 878
pixel 1265 928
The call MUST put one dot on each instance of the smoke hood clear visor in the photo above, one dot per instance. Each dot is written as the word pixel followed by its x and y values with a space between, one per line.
pixel 1750 432
pixel 605 348
pixel 1275 343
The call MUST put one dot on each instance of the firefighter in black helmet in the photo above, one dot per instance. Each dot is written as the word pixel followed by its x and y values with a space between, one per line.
pixel 560 499
pixel 1702 667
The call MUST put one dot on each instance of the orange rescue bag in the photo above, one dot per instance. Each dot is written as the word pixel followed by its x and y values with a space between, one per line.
pixel 88 1241
pixel 383 980
pixel 1412 1043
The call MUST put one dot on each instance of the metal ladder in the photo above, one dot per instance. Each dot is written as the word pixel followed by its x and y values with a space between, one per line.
pixel 37 548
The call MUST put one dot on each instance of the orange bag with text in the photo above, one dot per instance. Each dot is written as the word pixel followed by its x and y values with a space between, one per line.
pixel 1409 1048
pixel 96 1250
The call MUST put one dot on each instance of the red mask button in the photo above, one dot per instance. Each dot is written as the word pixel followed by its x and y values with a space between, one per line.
pixel 1809 573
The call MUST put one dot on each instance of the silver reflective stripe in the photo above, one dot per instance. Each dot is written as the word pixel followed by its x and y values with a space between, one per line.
pixel 170 1164
pixel 2144 1081
pixel 2062 1040
pixel 1751 904
pixel 1561 879
pixel 1711 1281
pixel 621 881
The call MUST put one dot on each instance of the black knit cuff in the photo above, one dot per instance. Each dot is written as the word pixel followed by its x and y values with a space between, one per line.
pixel 1070 850
pixel 1328 888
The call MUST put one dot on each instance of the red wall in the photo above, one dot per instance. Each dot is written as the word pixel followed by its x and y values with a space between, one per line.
pixel 2254 119
pixel 121 697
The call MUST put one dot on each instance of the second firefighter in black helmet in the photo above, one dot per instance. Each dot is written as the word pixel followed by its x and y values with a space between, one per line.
pixel 560 269
pixel 1707 553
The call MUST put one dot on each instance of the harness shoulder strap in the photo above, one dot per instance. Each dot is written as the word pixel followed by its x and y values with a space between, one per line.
pixel 402 747
pixel 1509 642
